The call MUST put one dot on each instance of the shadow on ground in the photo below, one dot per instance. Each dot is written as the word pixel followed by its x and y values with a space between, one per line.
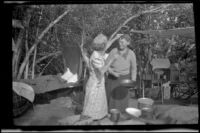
pixel 51 106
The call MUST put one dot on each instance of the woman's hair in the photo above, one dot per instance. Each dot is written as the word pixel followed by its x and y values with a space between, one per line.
pixel 99 42
pixel 126 37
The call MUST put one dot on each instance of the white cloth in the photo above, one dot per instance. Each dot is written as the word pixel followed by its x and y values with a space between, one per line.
pixel 160 63
pixel 73 78
pixel 69 76
pixel 24 90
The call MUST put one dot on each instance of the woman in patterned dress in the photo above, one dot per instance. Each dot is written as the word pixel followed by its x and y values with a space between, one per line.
pixel 95 102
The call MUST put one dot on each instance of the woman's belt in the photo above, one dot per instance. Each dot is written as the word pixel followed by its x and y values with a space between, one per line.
pixel 110 76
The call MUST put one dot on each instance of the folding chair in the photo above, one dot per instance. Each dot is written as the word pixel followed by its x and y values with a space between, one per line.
pixel 158 81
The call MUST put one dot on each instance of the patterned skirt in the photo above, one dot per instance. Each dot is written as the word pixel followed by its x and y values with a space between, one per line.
pixel 95 103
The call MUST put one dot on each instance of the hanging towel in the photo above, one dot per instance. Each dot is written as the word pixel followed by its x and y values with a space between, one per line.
pixel 160 63
pixel 68 74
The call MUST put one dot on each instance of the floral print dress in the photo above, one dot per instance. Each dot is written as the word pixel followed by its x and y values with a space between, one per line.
pixel 95 102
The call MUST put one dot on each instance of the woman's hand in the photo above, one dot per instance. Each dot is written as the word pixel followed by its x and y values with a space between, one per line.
pixel 118 36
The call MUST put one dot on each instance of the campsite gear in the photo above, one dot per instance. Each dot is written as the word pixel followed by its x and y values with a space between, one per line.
pixel 160 72
pixel 67 74
pixel 145 103
pixel 147 113
pixel 127 83
pixel 131 85
pixel 159 83
pixel 134 111
pixel 160 63
pixel 117 95
pixel 24 90
pixel 50 83
pixel 115 115
pixel 166 90
pixel 146 116
pixel 20 105
pixel 158 67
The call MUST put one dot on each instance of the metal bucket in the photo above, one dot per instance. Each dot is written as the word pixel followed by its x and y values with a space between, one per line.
pixel 115 114
pixel 147 113
pixel 145 103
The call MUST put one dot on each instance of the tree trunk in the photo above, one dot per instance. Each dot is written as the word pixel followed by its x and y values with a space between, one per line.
pixel 16 55
pixel 35 52
pixel 18 45
pixel 27 65
pixel 33 65
pixel 27 20
pixel 26 73
pixel 14 59
pixel 63 58
pixel 37 42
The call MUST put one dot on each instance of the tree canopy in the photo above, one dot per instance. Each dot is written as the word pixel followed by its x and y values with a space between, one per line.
pixel 94 19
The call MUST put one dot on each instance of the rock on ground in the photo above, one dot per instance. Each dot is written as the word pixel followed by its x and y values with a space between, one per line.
pixel 175 114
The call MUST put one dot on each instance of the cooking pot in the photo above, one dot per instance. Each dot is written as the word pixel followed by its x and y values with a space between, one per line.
pixel 147 113
pixel 145 103
pixel 115 115
pixel 127 83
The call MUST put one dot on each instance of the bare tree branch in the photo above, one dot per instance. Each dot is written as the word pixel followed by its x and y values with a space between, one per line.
pixel 37 42
pixel 47 56
pixel 83 53
pixel 46 66
pixel 35 51
pixel 157 9
pixel 169 32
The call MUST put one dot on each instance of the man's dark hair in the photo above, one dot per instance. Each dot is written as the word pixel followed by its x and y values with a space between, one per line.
pixel 126 37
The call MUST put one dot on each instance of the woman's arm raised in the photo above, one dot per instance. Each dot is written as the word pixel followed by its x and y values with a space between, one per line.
pixel 107 65
pixel 84 55
pixel 109 43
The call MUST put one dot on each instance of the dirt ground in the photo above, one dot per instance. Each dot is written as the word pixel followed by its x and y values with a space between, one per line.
pixel 58 105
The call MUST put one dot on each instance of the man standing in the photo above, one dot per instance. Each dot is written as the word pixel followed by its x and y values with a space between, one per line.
pixel 123 67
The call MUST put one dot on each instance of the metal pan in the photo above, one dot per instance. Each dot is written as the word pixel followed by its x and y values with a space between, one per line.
pixel 127 83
